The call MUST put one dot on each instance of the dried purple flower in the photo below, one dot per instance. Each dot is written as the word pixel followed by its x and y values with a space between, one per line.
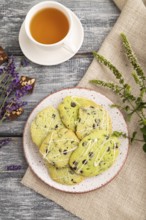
pixel 13 167
pixel 11 90
pixel 4 141
pixel 1 70
pixel 22 91
pixel 11 67
pixel 16 105
pixel 24 62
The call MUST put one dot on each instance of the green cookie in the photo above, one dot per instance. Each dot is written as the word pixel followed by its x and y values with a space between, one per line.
pixel 58 146
pixel 91 118
pixel 46 120
pixel 95 154
pixel 64 176
pixel 69 109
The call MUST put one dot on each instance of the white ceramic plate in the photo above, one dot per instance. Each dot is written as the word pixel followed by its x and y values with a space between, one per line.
pixel 36 162
pixel 53 56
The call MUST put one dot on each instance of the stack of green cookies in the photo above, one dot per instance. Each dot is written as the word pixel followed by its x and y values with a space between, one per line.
pixel 76 140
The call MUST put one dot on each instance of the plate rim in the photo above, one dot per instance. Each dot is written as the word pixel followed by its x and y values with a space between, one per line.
pixel 102 185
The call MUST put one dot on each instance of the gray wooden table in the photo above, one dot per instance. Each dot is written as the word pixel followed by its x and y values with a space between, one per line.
pixel 98 17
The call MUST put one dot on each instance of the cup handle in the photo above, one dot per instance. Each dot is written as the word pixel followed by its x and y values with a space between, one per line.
pixel 70 48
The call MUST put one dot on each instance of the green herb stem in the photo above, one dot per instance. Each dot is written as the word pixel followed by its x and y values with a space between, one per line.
pixel 107 63
pixel 133 60
pixel 136 104
pixel 2 77
pixel 4 101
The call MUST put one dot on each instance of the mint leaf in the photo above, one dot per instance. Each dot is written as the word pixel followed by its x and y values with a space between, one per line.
pixel 144 137
pixel 117 134
pixel 133 136
pixel 144 147
pixel 143 130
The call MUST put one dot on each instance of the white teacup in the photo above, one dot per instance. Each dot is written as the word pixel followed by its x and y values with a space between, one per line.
pixel 50 4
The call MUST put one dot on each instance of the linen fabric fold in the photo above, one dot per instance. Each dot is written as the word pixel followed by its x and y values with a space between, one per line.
pixel 121 3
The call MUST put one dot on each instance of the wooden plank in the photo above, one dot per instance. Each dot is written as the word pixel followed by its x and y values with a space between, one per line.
pixel 12 154
pixel 17 201
pixel 48 80
pixel 97 17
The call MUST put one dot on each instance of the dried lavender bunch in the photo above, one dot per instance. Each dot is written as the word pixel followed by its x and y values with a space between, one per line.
pixel 13 167
pixel 131 103
pixel 24 62
pixel 4 141
pixel 10 90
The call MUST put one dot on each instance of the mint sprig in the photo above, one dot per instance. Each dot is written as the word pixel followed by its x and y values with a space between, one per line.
pixel 131 104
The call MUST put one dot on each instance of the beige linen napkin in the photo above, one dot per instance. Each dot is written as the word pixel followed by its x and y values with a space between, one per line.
pixel 121 3
pixel 125 197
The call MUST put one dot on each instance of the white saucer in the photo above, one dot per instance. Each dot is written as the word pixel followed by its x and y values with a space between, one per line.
pixel 54 56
